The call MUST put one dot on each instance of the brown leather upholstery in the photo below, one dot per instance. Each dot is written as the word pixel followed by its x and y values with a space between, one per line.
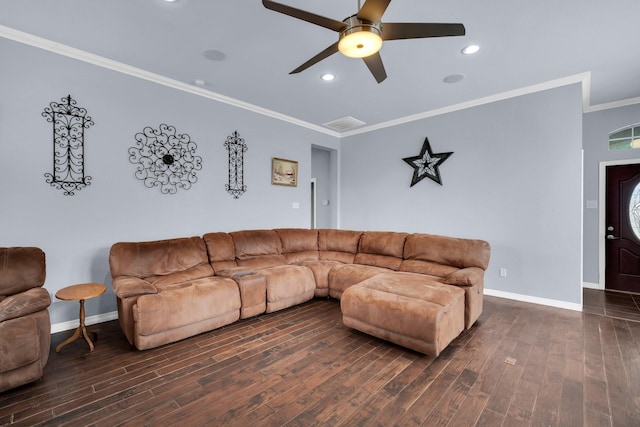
pixel 257 271
pixel 261 250
pixel 25 327
pixel 407 309
pixel 167 291
pixel 450 258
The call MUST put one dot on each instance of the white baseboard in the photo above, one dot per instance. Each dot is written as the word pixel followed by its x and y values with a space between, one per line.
pixel 591 285
pixel 534 300
pixel 106 317
pixel 91 320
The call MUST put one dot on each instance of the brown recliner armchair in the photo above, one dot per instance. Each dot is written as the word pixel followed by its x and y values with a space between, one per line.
pixel 25 327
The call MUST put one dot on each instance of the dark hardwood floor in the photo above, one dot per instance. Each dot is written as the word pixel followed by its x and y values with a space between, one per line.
pixel 520 365
pixel 621 305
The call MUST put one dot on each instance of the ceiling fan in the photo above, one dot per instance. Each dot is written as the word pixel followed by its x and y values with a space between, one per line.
pixel 362 34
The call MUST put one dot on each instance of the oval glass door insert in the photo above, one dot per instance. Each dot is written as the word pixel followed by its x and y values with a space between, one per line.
pixel 634 211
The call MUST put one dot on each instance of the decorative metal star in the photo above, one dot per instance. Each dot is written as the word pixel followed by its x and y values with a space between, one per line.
pixel 425 165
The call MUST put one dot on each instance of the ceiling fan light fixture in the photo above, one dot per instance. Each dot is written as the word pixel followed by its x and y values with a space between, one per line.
pixel 360 40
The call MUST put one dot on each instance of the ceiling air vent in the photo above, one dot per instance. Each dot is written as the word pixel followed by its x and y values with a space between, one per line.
pixel 343 124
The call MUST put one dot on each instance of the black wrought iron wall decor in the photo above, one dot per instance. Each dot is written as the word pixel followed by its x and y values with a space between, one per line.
pixel 426 164
pixel 69 122
pixel 165 159
pixel 236 148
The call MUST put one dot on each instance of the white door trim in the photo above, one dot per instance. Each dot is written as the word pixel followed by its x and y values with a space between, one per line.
pixel 314 203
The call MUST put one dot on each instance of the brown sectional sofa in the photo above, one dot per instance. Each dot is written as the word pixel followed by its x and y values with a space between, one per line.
pixel 417 290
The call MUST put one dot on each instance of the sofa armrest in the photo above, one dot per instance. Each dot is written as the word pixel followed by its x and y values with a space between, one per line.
pixel 127 286
pixel 235 272
pixel 470 276
pixel 24 303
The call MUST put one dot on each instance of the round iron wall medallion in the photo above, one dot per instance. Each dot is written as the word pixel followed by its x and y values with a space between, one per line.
pixel 165 159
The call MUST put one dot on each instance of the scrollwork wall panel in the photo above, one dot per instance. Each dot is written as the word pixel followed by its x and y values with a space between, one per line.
pixel 236 148
pixel 69 122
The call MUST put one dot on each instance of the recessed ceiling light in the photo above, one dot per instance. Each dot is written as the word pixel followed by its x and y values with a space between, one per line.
pixel 453 78
pixel 471 49
pixel 202 83
pixel 327 77
pixel 214 55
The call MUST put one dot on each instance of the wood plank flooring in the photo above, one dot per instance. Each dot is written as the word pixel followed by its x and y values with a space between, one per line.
pixel 520 365
pixel 622 305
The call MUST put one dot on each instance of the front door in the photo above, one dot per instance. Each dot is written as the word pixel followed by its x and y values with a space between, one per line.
pixel 622 246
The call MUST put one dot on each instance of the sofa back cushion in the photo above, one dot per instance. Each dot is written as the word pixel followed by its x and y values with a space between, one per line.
pixel 222 253
pixel 258 248
pixel 21 268
pixel 159 258
pixel 298 244
pixel 338 245
pixel 432 252
pixel 381 249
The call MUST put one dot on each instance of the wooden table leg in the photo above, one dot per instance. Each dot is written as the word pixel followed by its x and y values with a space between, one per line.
pixel 81 331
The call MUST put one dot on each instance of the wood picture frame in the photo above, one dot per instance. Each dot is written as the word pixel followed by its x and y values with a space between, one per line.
pixel 284 172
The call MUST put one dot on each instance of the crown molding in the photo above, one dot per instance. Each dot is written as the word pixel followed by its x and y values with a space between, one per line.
pixel 100 61
pixel 584 78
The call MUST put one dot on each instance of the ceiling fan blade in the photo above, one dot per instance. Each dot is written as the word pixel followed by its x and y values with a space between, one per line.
pixel 319 57
pixel 375 65
pixel 329 23
pixel 372 10
pixel 406 30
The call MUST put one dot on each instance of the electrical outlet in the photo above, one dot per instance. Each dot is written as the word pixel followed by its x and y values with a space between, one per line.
pixel 503 272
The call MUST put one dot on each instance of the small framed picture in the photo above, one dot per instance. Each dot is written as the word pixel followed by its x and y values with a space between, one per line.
pixel 284 172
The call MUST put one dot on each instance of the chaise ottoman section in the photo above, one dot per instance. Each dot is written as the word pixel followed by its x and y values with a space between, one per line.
pixel 410 310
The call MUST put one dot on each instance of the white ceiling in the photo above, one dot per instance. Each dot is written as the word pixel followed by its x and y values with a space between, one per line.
pixel 525 45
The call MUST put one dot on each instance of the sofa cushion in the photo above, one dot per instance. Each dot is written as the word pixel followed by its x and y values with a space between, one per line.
pixel 221 251
pixel 471 276
pixel 427 267
pixel 251 243
pixel 190 274
pixel 343 276
pixel 18 334
pixel 21 268
pixel 263 261
pixel 157 258
pixel 338 245
pixel 24 303
pixel 381 249
pixel 321 270
pixel 175 308
pixel 298 244
pixel 288 285
pixel 450 251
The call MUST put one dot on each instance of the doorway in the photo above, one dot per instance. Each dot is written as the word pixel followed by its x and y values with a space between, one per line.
pixel 324 187
pixel 622 227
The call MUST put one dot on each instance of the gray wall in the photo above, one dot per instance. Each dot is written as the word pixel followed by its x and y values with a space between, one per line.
pixel 514 179
pixel 596 128
pixel 76 232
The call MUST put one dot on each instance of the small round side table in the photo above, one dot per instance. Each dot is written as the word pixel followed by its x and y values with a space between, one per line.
pixel 80 293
